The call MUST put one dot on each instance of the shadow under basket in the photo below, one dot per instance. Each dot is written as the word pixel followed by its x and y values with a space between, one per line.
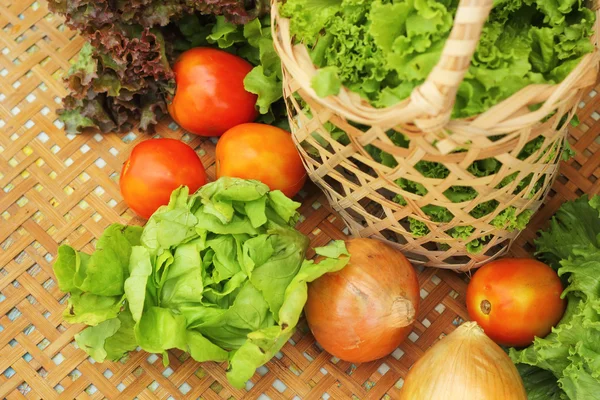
pixel 449 193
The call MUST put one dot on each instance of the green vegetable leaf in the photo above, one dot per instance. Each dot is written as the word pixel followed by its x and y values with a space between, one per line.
pixel 575 224
pixel 335 250
pixel 91 309
pixel 258 34
pixel 568 151
pixel 509 220
pixel 183 283
pixel 140 268
pixel 106 270
pixel 175 226
pixel 225 258
pixel 543 57
pixel 66 266
pixel 225 34
pixel 256 251
pixel 109 340
pixel 123 340
pixel 93 338
pixel 256 211
pixel 266 87
pixel 75 122
pixel 160 329
pixel 296 293
pixel 391 23
pixel 285 207
pixel 262 345
pixel 273 277
pixel 540 384
pixel 201 349
pixel 326 82
pixel 582 269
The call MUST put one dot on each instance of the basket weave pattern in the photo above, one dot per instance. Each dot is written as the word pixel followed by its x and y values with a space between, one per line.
pixel 361 189
pixel 58 189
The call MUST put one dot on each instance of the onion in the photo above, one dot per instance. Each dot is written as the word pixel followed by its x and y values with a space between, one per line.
pixel 364 311
pixel 465 365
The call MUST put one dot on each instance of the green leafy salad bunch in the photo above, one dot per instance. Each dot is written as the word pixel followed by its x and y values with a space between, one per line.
pixel 220 274
pixel 566 363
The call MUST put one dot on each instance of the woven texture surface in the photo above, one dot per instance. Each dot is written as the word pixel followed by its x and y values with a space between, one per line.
pixel 56 188
pixel 396 173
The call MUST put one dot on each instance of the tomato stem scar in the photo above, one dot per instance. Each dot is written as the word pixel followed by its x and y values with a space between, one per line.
pixel 486 307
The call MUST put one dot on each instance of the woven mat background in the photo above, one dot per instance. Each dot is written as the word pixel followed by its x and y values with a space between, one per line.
pixel 56 188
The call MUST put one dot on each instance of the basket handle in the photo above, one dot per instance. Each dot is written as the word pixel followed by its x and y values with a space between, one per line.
pixel 436 96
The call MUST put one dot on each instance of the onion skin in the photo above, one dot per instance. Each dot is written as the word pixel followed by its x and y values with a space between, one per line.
pixel 366 310
pixel 464 365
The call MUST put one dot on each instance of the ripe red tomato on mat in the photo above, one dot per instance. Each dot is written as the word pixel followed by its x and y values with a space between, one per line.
pixel 261 152
pixel 154 169
pixel 210 97
pixel 515 299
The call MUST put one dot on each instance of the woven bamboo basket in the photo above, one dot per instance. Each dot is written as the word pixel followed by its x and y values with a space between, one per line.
pixel 361 189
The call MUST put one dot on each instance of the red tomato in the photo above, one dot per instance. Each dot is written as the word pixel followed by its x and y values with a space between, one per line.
pixel 262 152
pixel 154 169
pixel 515 299
pixel 210 96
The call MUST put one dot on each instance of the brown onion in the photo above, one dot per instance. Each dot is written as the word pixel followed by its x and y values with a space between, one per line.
pixel 364 311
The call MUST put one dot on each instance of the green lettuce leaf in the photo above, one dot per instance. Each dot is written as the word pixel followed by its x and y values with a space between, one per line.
pixel 540 384
pixel 334 250
pixel 201 349
pixel 273 277
pixel 183 282
pixel 263 344
pixel 66 267
pixel 103 273
pixel 123 340
pixel 109 340
pixel 326 82
pixel 91 309
pixel 576 224
pixel 96 282
pixel 92 339
pixel 140 268
pixel 160 329
pixel 266 87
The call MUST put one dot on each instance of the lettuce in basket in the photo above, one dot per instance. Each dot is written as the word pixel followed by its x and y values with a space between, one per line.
pixel 220 274
pixel 571 352
pixel 382 49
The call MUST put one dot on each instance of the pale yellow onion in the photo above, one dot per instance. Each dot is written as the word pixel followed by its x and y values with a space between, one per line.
pixel 465 365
